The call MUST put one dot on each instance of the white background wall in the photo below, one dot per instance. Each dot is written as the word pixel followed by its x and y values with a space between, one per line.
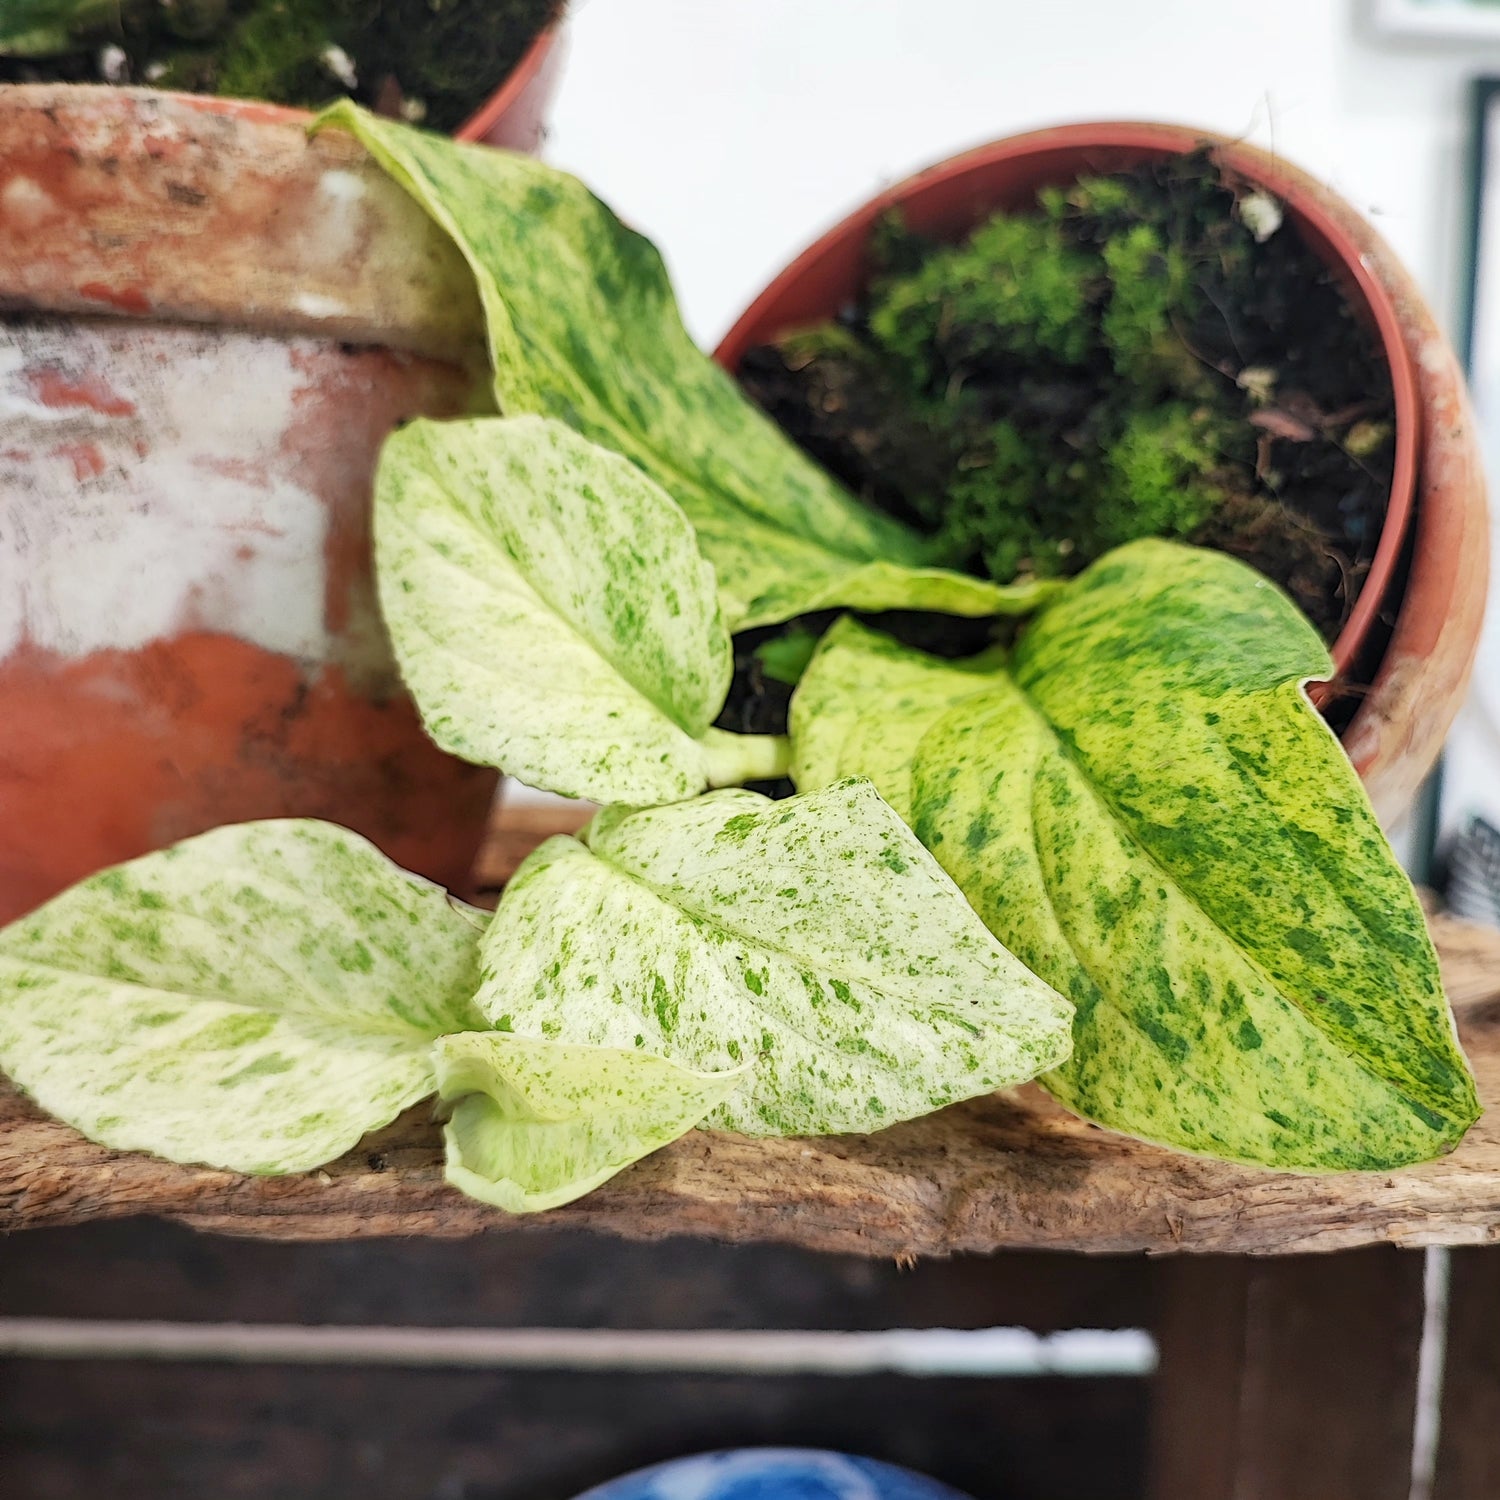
pixel 733 131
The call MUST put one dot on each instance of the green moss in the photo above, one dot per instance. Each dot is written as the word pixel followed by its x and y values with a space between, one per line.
pixel 1151 296
pixel 448 55
pixel 990 511
pixel 275 52
pixel 439 59
pixel 37 28
pixel 1108 204
pixel 1158 475
pixel 1077 311
pixel 1034 394
pixel 1014 286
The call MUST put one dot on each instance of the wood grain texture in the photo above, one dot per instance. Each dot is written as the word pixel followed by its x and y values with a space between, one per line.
pixel 1010 1171
pixel 1287 1379
pixel 1468 1456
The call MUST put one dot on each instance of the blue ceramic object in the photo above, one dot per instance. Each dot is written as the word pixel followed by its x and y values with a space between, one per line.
pixel 773 1474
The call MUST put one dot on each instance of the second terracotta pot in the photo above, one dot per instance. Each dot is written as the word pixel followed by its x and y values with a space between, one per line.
pixel 514 117
pixel 1430 572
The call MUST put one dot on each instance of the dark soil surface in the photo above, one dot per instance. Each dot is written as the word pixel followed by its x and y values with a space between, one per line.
pixel 1052 387
pixel 429 61
pixel 758 700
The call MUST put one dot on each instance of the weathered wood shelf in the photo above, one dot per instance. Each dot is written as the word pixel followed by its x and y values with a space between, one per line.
pixel 1009 1171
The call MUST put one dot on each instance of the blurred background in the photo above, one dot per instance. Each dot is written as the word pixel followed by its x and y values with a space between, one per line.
pixel 733 132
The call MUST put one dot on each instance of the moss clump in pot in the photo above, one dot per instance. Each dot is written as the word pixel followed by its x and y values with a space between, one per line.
pixel 1149 353
pixel 433 60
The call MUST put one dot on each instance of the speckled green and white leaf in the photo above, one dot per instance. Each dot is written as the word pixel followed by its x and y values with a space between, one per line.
pixel 1146 810
pixel 864 703
pixel 814 937
pixel 536 1124
pixel 256 998
pixel 766 577
pixel 831 582
pixel 583 326
pixel 549 607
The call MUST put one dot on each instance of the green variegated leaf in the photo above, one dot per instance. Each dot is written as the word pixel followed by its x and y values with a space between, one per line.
pixel 537 1124
pixel 767 576
pixel 256 998
pixel 813 937
pixel 583 327
pixel 865 702
pixel 549 608
pixel 1146 810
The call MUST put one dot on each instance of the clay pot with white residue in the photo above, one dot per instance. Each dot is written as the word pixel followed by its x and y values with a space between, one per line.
pixel 210 324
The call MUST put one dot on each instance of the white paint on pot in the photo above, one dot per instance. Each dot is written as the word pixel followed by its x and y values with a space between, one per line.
pixel 145 488
pixel 26 202
pixel 317 306
pixel 344 220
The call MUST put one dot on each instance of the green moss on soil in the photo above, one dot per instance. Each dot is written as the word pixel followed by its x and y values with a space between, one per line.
pixel 440 59
pixel 1122 359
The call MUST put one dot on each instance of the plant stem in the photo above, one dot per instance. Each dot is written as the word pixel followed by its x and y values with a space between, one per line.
pixel 737 758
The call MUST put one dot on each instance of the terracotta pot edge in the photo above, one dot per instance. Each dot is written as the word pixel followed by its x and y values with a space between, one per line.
pixel 400 311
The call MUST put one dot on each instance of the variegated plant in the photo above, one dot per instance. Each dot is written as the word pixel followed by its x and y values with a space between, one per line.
pixel 1180 911
pixel 583 327
pixel 261 996
pixel 1143 806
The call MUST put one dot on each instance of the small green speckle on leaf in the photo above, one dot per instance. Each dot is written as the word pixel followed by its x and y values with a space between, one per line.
pixel 694 898
pixel 220 1000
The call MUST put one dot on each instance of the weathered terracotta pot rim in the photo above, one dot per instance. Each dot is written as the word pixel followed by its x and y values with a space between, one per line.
pixel 1301 196
pixel 188 253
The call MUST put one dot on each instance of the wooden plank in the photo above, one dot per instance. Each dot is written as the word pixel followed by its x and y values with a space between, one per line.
pixel 1289 1379
pixel 1009 1171
pixel 517 828
pixel 87 1427
pixel 1468 1456
pixel 1195 1408
pixel 145 1268
pixel 182 1432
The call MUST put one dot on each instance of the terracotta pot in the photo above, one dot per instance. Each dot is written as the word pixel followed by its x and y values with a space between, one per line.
pixel 213 323
pixel 1408 645
pixel 515 115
